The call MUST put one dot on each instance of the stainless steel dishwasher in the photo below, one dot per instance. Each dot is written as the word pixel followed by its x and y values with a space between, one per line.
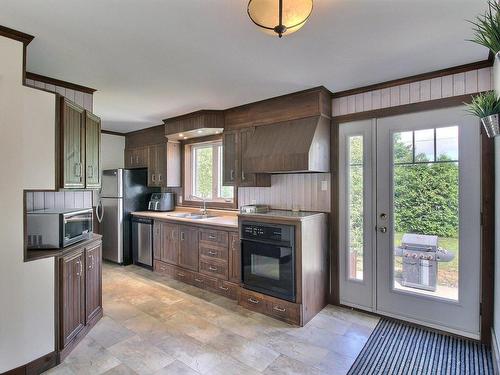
pixel 142 241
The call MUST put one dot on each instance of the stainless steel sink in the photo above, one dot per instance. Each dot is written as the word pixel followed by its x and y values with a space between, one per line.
pixel 187 215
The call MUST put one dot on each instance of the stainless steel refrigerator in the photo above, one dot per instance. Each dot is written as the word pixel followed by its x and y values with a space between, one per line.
pixel 123 191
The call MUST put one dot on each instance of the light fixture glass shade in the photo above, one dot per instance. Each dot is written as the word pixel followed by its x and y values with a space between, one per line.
pixel 265 14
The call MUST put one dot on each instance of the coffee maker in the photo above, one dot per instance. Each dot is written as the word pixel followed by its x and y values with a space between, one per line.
pixel 162 202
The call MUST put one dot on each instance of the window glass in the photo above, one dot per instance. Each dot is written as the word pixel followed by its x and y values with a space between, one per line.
pixel 355 206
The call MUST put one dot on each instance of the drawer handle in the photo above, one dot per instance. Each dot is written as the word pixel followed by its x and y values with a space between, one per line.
pixel 224 288
pixel 280 309
pixel 198 280
pixel 254 301
pixel 212 268
pixel 212 237
pixel 162 268
pixel 180 274
pixel 212 253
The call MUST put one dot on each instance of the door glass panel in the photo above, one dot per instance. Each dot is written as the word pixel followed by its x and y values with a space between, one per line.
pixel 355 240
pixel 425 212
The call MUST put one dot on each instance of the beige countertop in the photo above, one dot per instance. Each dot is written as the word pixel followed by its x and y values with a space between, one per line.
pixel 281 215
pixel 227 219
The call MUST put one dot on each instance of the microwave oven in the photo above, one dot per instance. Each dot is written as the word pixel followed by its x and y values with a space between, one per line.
pixel 58 228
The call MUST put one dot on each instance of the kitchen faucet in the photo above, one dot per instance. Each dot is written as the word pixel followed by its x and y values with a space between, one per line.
pixel 204 208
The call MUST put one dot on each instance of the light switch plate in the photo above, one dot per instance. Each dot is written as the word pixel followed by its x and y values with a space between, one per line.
pixel 324 185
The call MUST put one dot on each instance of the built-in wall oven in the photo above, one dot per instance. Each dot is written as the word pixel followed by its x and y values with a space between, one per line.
pixel 268 259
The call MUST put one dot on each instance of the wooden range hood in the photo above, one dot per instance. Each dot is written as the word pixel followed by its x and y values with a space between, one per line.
pixel 301 145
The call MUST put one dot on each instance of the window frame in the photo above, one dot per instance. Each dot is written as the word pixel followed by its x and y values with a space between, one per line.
pixel 187 173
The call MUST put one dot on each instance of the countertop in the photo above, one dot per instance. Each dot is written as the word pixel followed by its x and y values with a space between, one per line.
pixel 281 215
pixel 226 219
pixel 49 253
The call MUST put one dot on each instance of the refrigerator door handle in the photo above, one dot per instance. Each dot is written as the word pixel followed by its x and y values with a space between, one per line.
pixel 99 211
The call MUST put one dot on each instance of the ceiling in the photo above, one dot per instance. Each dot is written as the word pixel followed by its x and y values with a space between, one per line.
pixel 153 59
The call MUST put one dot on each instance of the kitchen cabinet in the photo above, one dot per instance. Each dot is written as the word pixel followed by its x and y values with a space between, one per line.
pixel 188 248
pixel 170 243
pixel 73 144
pixel 136 157
pixel 80 147
pixel 92 150
pixel 234 258
pixel 157 161
pixel 157 239
pixel 93 281
pixel 72 296
pixel 234 167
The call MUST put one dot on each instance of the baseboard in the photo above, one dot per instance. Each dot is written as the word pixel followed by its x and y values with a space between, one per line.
pixel 36 366
pixel 494 352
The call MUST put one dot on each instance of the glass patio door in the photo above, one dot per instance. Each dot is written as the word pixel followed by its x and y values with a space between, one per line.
pixel 419 215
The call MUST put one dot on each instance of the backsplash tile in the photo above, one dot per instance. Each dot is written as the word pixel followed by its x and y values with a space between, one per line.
pixel 288 191
pixel 40 200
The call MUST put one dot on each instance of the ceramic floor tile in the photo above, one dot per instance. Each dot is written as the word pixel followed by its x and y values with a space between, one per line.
pixel 335 364
pixel 120 370
pixel 244 350
pixel 284 365
pixel 176 368
pixel 62 369
pixel 194 326
pixel 89 357
pixel 140 356
pixel 107 332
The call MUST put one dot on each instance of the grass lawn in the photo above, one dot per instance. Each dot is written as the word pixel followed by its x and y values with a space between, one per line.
pixel 447 271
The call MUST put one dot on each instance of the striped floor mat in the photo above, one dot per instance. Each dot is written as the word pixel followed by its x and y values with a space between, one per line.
pixel 397 348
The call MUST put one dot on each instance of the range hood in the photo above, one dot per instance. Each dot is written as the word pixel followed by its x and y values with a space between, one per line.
pixel 301 145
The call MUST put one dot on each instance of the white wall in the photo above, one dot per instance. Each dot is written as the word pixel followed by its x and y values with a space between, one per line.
pixel 112 148
pixel 27 161
pixel 496 310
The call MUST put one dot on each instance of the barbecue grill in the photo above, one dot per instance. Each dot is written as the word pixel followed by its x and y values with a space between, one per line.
pixel 421 255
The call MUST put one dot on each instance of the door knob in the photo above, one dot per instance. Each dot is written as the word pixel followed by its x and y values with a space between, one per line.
pixel 383 229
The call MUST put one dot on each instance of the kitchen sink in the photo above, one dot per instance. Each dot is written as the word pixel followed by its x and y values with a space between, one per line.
pixel 193 216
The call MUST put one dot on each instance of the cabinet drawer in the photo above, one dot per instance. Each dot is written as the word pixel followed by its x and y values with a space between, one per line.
pixel 214 237
pixel 212 267
pixel 204 282
pixel 227 289
pixel 163 268
pixel 183 275
pixel 283 310
pixel 213 252
pixel 252 301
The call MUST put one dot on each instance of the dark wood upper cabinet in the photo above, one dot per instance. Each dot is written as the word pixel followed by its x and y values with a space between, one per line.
pixel 92 150
pixel 234 169
pixel 72 120
pixel 72 296
pixel 80 147
pixel 188 252
pixel 93 281
pixel 137 157
pixel 230 168
pixel 204 119
pixel 234 257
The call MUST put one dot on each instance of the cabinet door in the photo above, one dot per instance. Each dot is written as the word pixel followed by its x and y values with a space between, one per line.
pixel 161 165
pixel 72 138
pixel 142 157
pixel 92 150
pixel 230 160
pixel 170 243
pixel 129 158
pixel 152 161
pixel 93 281
pixel 72 296
pixel 173 166
pixel 157 246
pixel 188 251
pixel 234 258
pixel 250 179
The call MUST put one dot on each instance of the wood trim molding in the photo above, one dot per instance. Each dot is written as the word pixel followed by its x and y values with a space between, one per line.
pixel 200 112
pixel 37 366
pixel 58 82
pixel 144 130
pixel 419 77
pixel 407 108
pixel 110 132
pixel 16 35
pixel 494 352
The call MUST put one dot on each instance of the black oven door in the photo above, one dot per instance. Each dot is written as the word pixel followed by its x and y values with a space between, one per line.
pixel 269 269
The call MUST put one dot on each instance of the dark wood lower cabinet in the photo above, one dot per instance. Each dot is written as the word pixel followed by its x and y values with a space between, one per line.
pixel 79 293
pixel 72 296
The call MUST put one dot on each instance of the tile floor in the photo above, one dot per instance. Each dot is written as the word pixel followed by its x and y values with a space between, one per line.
pixel 154 325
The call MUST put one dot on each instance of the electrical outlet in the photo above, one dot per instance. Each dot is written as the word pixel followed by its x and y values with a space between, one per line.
pixel 180 199
pixel 253 201
pixel 324 185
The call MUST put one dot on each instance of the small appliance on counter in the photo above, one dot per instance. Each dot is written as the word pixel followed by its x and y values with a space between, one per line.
pixel 254 209
pixel 162 202
pixel 58 228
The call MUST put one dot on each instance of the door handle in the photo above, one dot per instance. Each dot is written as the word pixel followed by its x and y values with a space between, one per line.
pixel 232 175
pixel 243 175
pixel 382 229
pixel 182 236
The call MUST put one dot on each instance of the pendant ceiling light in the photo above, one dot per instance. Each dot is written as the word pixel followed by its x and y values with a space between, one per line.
pixel 279 16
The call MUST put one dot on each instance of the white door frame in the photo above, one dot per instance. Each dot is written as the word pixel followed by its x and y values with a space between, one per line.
pixel 462 316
